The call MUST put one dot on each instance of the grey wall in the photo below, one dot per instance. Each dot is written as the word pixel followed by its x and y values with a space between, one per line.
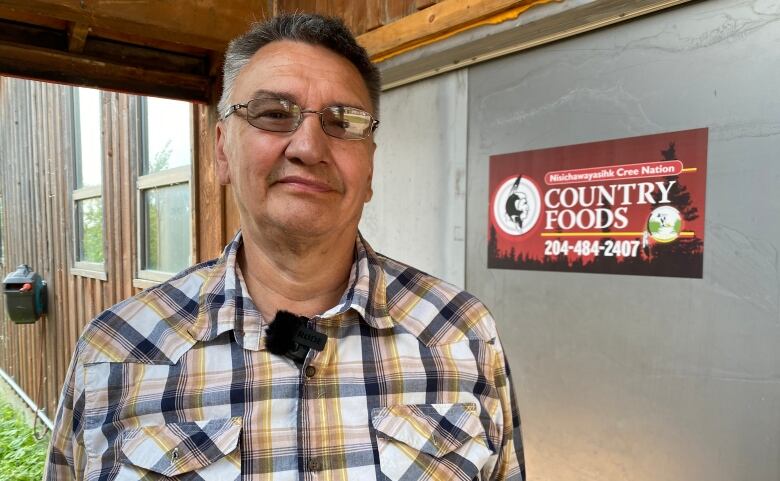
pixel 637 378
pixel 418 213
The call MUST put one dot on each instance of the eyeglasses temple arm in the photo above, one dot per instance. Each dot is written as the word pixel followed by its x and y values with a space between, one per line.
pixel 232 109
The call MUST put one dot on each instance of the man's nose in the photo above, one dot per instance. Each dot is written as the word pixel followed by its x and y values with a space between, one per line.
pixel 308 143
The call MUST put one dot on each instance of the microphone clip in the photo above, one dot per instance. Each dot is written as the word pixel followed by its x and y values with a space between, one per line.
pixel 289 335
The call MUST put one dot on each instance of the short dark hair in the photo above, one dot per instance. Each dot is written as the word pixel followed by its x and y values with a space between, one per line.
pixel 328 32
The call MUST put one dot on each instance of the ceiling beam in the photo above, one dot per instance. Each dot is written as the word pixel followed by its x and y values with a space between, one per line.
pixel 433 23
pixel 23 60
pixel 207 24
pixel 77 37
pixel 551 23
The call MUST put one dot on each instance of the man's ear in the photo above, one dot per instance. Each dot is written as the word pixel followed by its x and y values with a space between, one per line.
pixel 222 166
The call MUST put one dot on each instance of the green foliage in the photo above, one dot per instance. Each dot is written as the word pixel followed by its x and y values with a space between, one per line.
pixel 161 158
pixel 22 457
pixel 152 230
pixel 92 241
pixel 160 163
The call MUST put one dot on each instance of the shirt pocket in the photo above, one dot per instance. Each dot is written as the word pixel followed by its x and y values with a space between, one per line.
pixel 199 450
pixel 430 442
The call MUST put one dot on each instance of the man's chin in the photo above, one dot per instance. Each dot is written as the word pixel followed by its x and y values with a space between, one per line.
pixel 305 226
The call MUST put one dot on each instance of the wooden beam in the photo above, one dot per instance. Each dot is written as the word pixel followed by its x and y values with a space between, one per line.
pixel 209 200
pixel 420 4
pixel 207 24
pixel 98 49
pixel 77 37
pixel 69 68
pixel 435 22
pixel 25 17
pixel 469 50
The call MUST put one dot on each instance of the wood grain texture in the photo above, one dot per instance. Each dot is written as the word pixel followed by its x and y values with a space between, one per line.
pixel 397 9
pixel 207 24
pixel 437 20
pixel 420 4
pixel 210 198
pixel 77 37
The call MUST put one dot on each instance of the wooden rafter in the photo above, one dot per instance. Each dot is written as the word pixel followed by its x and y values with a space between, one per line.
pixel 45 55
pixel 437 21
pixel 207 24
pixel 77 37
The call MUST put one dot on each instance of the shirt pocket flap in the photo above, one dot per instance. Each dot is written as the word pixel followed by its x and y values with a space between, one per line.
pixel 176 448
pixel 435 429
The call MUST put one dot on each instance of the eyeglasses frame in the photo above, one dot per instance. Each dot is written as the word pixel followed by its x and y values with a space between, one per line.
pixel 236 107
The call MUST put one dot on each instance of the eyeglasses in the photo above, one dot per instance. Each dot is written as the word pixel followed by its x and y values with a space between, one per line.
pixel 280 115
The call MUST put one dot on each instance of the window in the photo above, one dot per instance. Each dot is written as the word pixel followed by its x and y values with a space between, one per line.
pixel 88 191
pixel 165 217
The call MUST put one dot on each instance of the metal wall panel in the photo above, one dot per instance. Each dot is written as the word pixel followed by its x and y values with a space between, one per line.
pixel 418 213
pixel 628 377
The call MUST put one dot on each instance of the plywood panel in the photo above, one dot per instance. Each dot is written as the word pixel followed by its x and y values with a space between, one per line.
pixel 355 14
pixel 397 9
pixel 297 5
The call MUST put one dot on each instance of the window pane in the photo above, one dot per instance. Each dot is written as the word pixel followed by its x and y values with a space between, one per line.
pixel 166 214
pixel 90 152
pixel 168 125
pixel 89 215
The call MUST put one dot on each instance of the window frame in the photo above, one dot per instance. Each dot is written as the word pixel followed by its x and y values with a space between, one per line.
pixel 96 270
pixel 185 174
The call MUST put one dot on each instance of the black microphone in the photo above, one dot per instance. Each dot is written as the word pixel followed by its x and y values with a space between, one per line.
pixel 288 335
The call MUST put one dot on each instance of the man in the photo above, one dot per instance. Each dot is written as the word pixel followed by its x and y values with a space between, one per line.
pixel 224 371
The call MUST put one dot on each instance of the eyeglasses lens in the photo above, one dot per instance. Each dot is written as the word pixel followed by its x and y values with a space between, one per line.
pixel 346 123
pixel 275 115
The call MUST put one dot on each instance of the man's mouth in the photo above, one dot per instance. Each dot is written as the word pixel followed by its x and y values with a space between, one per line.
pixel 305 184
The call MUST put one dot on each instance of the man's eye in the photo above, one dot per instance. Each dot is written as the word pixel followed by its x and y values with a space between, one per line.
pixel 338 123
pixel 274 114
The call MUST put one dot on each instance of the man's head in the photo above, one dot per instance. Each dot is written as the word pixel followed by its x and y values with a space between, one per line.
pixel 305 182
pixel 327 32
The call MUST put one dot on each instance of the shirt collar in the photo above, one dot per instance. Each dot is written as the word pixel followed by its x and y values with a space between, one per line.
pixel 225 303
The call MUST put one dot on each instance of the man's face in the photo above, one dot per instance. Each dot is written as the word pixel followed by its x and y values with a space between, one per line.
pixel 302 183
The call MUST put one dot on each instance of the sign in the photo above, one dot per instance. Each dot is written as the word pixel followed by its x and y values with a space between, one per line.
pixel 625 206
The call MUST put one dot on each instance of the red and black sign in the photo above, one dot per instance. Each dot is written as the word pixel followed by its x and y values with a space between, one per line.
pixel 625 206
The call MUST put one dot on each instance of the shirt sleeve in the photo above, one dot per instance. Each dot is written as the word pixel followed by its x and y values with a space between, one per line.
pixel 66 459
pixel 511 460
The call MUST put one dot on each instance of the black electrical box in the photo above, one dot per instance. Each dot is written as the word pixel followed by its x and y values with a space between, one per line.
pixel 25 295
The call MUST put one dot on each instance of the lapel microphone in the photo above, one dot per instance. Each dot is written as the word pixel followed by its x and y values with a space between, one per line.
pixel 288 335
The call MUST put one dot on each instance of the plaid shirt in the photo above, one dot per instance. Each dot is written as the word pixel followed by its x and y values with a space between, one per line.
pixel 176 383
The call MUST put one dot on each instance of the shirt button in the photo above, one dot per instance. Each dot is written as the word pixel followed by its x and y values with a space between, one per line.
pixel 310 371
pixel 314 464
